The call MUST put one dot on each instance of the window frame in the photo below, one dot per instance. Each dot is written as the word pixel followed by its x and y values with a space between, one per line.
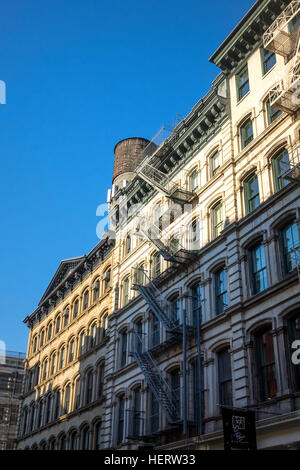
pixel 240 93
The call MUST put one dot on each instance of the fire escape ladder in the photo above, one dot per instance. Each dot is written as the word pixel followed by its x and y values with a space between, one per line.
pixel 153 235
pixel 153 376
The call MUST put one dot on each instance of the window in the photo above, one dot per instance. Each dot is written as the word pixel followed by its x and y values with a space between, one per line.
pixel 175 310
pixel 49 331
pixel 45 369
pixel 89 387
pixel 174 244
pixel 126 291
pixel 66 317
pixel 214 163
pixel 96 290
pixel 139 341
pixel 35 344
pixel 266 365
pixel 98 436
pixel 123 349
pixel 121 420
pixel 106 279
pixel 63 443
pixel 193 241
pixel 82 343
pixel 57 328
pixel 104 325
pixel 221 291
pixel 246 132
pixel 32 413
pixel 74 441
pixel 194 181
pixel 242 83
pixel 48 409
pixel 53 364
pixel 268 60
pixel 217 220
pixel 57 405
pixel 37 374
pixel 225 378
pixel 289 242
pixel 75 308
pixel 294 23
pixel 156 265
pixel 294 335
pixel 136 413
pixel 25 416
pixel 175 388
pixel 272 112
pixel 251 189
pixel 42 338
pixel 85 438
pixel 100 379
pixel 93 339
pixel 154 413
pixel 67 398
pixel 40 414
pixel 197 395
pixel 281 164
pixel 86 300
pixel 127 245
pixel 77 394
pixel 140 275
pixel 258 269
pixel 62 357
pixel 155 332
pixel 196 293
pixel 71 350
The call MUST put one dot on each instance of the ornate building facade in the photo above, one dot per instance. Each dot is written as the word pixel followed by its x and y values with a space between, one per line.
pixel 202 305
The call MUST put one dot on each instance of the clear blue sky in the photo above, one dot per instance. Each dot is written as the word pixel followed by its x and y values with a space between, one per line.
pixel 81 75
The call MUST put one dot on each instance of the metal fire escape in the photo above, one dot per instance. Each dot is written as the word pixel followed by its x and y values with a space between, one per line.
pixel 285 95
pixel 160 146
pixel 293 172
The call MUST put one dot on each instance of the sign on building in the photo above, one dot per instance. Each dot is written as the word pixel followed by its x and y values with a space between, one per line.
pixel 239 429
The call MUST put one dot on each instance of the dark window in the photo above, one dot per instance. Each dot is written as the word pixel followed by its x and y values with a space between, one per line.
pixel 268 60
pixel 48 409
pixel 96 290
pixel 281 164
pixel 85 438
pixel 67 398
pixel 272 112
pixel 82 343
pixel 294 335
pixel 242 82
pixel 175 387
pixel 196 292
pixel 42 338
pixel 66 317
pixel 225 378
pixel 251 193
pixel 246 133
pixel 137 417
pixel 89 387
pixel 154 413
pixel 198 398
pixel 57 325
pixel 49 331
pixel 127 245
pixel 104 325
pixel 86 300
pixel 62 357
pixel 258 269
pixel 156 265
pixel 40 415
pixel 77 394
pixel 53 364
pixel 71 350
pixel 100 380
pixel 175 310
pixel 98 436
pixel 266 365
pixel 76 308
pixel 123 349
pixel 57 405
pixel 74 441
pixel 221 291
pixel 155 331
pixel 63 443
pixel 289 243
pixel 121 420
pixel 45 370
pixel 32 413
pixel 93 339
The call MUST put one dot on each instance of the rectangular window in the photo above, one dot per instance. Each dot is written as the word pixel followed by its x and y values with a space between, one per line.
pixel 225 378
pixel 242 83
pixel 196 305
pixel 266 365
pixel 273 113
pixel 214 163
pixel 123 349
pixel 268 60
pixel 221 291
pixel 281 164
pixel 246 133
pixel 289 244
pixel 258 269
pixel 121 420
pixel 218 223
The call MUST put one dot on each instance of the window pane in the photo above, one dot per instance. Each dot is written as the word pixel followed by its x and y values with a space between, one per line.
pixel 258 267
pixel 225 378
pixel 221 291
pixel 273 113
pixel 247 133
pixel 281 165
pixel 266 366
pixel 243 85
pixel 269 60
pixel 251 194
pixel 218 224
pixel 290 242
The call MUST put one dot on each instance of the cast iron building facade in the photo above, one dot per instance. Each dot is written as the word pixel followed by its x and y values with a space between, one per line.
pixel 202 305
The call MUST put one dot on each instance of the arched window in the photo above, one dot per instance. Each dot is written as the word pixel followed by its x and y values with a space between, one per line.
pixel 53 363
pixel 82 341
pixel 57 325
pixel 156 265
pixel 155 331
pixel 89 387
pixel 174 244
pixel 72 350
pixel 265 364
pixel 193 241
pixel 42 338
pixel 63 443
pixel 123 347
pixel 196 293
pixel 217 220
pixel 281 164
pixel 220 285
pixel 127 245
pixel 35 340
pixel 194 180
pixel 74 441
pixel 251 191
pixel 104 325
pixel 225 377
pixel 246 133
pixel 140 275
pixel 175 310
pixel 139 340
pixel 52 444
pixel 100 379
pixel 62 357
pixel 40 414
pixel 32 415
pixel 37 374
pixel 97 438
pixel 96 289
pixel 57 404
pixel 49 332
pixel 93 338
pixel 86 300
pixel 121 419
pixel 75 308
pixel 25 416
pixel 106 279
pixel 67 399
pixel 85 438
pixel 126 291
pixel 289 241
pixel 136 413
pixel 45 369
pixel 214 163
pixel 66 317
pixel 48 409
pixel 77 394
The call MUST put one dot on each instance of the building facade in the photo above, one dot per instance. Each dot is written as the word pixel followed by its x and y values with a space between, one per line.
pixel 203 303
pixel 11 380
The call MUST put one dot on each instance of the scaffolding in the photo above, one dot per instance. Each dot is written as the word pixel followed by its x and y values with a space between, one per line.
pixel 285 94
pixel 161 145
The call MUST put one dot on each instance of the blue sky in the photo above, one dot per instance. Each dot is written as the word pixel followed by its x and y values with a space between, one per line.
pixel 82 75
